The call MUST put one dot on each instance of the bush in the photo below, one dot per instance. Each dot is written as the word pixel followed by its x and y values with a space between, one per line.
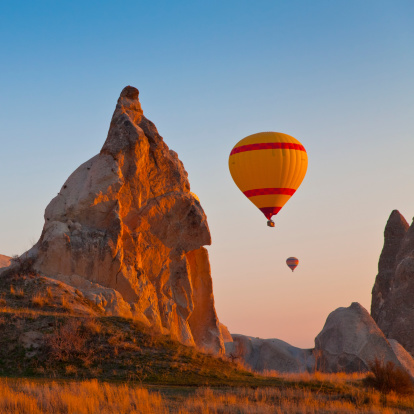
pixel 18 292
pixel 69 342
pixel 39 300
pixel 23 265
pixel 387 377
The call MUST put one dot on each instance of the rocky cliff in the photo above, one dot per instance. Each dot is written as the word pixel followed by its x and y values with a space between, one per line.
pixel 126 231
pixel 392 295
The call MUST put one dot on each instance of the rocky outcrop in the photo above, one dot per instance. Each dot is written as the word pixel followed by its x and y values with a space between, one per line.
pixel 394 233
pixel 269 354
pixel 125 230
pixel 393 292
pixel 351 340
pixel 4 261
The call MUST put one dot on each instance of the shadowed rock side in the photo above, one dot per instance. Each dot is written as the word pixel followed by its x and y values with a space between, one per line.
pixel 393 292
pixel 269 354
pixel 394 233
pixel 125 230
pixel 351 340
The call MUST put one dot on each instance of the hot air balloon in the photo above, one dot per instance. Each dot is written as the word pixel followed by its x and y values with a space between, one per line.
pixel 268 168
pixel 292 262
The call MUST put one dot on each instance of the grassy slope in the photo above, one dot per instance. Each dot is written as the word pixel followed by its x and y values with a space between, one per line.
pixel 71 339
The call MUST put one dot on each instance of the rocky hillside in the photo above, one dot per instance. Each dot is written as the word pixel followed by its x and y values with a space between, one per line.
pixel 49 329
pixel 126 232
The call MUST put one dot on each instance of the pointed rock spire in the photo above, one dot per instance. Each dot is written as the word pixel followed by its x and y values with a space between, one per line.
pixel 126 230
pixel 394 233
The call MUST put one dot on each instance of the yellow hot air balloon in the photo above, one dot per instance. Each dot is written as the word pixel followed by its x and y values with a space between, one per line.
pixel 268 168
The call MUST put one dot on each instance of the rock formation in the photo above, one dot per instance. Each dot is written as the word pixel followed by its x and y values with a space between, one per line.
pixel 4 261
pixel 269 354
pixel 394 233
pixel 127 232
pixel 351 340
pixel 393 292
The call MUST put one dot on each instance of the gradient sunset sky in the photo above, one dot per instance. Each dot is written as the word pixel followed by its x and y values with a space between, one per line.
pixel 336 75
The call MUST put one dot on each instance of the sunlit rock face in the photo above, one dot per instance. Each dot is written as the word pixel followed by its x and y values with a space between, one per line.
pixel 126 224
pixel 4 261
pixel 269 354
pixel 393 292
pixel 351 340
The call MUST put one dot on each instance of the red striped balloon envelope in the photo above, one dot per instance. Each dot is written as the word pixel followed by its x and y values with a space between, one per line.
pixel 268 168
pixel 292 262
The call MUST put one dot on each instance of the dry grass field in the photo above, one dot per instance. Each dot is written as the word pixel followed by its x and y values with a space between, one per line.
pixel 91 396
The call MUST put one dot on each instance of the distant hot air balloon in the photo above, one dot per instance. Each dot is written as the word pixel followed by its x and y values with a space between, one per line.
pixel 292 262
pixel 268 168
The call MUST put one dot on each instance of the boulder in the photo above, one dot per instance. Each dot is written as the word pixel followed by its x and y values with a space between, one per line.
pixel 126 230
pixel 350 341
pixel 269 354
pixel 405 358
pixel 393 292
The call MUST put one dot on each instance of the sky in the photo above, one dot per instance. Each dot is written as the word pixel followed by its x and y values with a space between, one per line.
pixel 336 75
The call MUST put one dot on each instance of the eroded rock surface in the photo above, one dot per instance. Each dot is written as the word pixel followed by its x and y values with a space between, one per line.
pixel 393 292
pixel 125 230
pixel 269 354
pixel 394 234
pixel 350 341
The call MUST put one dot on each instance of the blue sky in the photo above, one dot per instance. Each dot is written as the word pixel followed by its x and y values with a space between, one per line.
pixel 337 75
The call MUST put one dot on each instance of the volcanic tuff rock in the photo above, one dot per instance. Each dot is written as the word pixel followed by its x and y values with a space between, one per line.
pixel 127 232
pixel 4 261
pixel 269 354
pixel 351 340
pixel 394 313
pixel 394 234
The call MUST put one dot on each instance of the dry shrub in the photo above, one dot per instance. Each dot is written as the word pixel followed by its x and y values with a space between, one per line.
pixel 92 326
pixel 66 305
pixel 23 265
pixel 3 303
pixel 18 293
pixel 49 292
pixel 39 300
pixel 69 341
pixel 387 377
